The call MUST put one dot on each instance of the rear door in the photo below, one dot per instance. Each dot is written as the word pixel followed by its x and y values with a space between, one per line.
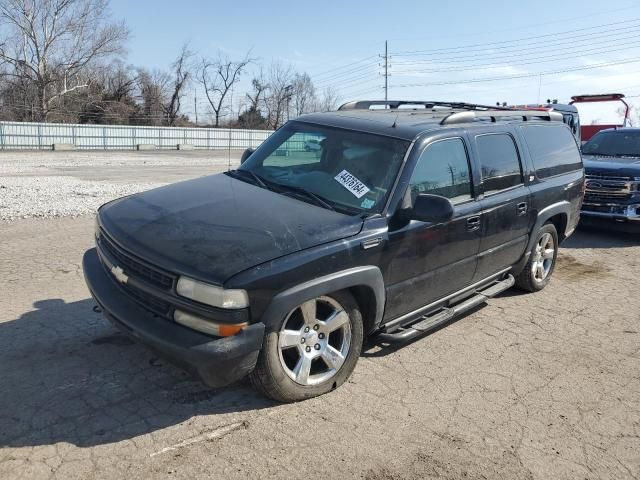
pixel 505 202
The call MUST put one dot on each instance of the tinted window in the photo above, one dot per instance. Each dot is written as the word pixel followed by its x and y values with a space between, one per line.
pixel 499 162
pixel 553 149
pixel 299 149
pixel 443 169
pixel 618 142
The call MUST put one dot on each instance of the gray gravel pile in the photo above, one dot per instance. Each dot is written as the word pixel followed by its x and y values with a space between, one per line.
pixel 58 196
pixel 27 162
pixel 67 184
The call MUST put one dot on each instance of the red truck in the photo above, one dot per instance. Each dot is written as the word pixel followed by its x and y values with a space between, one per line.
pixel 588 131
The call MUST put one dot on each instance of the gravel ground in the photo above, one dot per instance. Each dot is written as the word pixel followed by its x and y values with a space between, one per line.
pixel 61 184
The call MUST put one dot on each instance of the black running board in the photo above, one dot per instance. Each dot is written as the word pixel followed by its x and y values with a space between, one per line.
pixel 429 322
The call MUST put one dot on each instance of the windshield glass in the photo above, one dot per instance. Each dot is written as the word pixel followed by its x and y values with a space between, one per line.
pixel 615 143
pixel 353 172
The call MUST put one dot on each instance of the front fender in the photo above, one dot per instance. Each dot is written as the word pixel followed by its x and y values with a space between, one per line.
pixel 368 276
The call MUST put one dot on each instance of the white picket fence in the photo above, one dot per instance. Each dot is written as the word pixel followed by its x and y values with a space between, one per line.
pixel 42 136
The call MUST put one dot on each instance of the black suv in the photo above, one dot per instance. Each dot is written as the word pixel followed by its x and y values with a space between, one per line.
pixel 612 167
pixel 402 219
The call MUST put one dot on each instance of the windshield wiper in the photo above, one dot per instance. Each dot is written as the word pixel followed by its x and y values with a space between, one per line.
pixel 257 179
pixel 316 198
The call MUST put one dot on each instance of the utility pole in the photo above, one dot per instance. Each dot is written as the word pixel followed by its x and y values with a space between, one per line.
pixel 386 71
pixel 195 105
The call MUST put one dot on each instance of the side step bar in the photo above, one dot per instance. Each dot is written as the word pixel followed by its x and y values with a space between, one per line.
pixel 429 322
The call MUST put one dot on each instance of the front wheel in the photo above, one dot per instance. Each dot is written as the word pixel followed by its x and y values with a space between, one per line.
pixel 314 350
pixel 542 260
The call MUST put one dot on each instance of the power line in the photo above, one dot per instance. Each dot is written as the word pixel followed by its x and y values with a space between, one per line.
pixel 510 42
pixel 524 26
pixel 512 77
pixel 518 50
pixel 535 60
pixel 350 65
pixel 369 69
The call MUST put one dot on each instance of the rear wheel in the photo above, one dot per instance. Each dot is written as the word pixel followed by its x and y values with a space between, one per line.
pixel 542 261
pixel 314 350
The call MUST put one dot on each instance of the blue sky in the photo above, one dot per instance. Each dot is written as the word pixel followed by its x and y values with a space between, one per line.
pixel 439 50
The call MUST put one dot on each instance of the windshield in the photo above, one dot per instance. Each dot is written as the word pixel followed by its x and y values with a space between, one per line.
pixel 614 143
pixel 352 172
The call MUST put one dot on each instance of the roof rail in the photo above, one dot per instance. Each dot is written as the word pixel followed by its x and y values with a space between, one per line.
pixel 394 104
pixel 524 115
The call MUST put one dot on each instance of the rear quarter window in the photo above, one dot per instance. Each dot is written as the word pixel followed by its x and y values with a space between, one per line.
pixel 553 149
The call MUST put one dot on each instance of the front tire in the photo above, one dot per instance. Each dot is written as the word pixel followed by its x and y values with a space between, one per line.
pixel 542 260
pixel 313 351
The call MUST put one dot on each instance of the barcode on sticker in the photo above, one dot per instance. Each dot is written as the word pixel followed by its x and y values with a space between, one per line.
pixel 351 183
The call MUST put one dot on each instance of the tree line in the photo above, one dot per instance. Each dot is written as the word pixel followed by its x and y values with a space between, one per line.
pixel 62 61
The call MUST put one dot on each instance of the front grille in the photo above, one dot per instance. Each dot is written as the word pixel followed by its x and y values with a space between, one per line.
pixel 135 267
pixel 608 176
pixel 604 197
pixel 607 188
pixel 152 302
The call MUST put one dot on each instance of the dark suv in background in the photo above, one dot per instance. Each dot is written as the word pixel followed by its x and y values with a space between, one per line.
pixel 612 167
pixel 403 218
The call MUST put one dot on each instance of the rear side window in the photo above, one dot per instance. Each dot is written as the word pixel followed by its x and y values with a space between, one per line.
pixel 553 149
pixel 443 169
pixel 499 161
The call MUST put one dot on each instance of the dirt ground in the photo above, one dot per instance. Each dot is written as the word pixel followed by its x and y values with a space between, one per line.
pixel 542 386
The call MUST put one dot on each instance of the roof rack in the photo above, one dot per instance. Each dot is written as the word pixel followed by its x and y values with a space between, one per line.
pixel 394 104
pixel 524 115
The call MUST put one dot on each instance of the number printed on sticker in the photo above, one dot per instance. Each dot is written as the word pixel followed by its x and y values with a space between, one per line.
pixel 351 183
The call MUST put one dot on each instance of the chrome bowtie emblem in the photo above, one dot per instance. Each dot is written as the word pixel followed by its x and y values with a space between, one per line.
pixel 119 274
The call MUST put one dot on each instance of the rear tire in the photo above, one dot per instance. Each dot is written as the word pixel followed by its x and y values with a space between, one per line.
pixel 313 351
pixel 542 260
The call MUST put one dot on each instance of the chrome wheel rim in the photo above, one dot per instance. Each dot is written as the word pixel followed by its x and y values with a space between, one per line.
pixel 543 257
pixel 314 341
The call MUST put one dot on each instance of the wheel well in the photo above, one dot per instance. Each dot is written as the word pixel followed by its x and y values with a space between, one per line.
pixel 366 299
pixel 560 222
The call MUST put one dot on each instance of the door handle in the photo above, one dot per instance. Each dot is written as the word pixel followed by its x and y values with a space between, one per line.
pixel 473 223
pixel 522 208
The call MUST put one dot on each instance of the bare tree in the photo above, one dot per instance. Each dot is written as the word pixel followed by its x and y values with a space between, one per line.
pixel 259 87
pixel 181 72
pixel 279 92
pixel 304 94
pixel 328 101
pixel 152 87
pixel 51 42
pixel 218 78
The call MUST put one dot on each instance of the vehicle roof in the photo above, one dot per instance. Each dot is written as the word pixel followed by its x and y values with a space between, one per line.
pixel 405 124
pixel 620 129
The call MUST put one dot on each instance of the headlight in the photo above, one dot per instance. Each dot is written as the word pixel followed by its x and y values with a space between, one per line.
pixel 211 295
pixel 96 227
pixel 207 326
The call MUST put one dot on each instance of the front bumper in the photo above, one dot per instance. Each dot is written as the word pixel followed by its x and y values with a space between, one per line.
pixel 619 213
pixel 218 361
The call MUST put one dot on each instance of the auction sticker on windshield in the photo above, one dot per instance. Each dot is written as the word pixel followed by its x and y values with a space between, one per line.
pixel 351 183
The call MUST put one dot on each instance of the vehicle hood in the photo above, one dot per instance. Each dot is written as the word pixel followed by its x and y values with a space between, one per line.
pixel 216 226
pixel 622 166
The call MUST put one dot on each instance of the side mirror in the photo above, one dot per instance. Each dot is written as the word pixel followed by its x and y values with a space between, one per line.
pixel 431 208
pixel 246 154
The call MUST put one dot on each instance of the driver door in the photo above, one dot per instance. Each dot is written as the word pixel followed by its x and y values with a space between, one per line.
pixel 431 261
